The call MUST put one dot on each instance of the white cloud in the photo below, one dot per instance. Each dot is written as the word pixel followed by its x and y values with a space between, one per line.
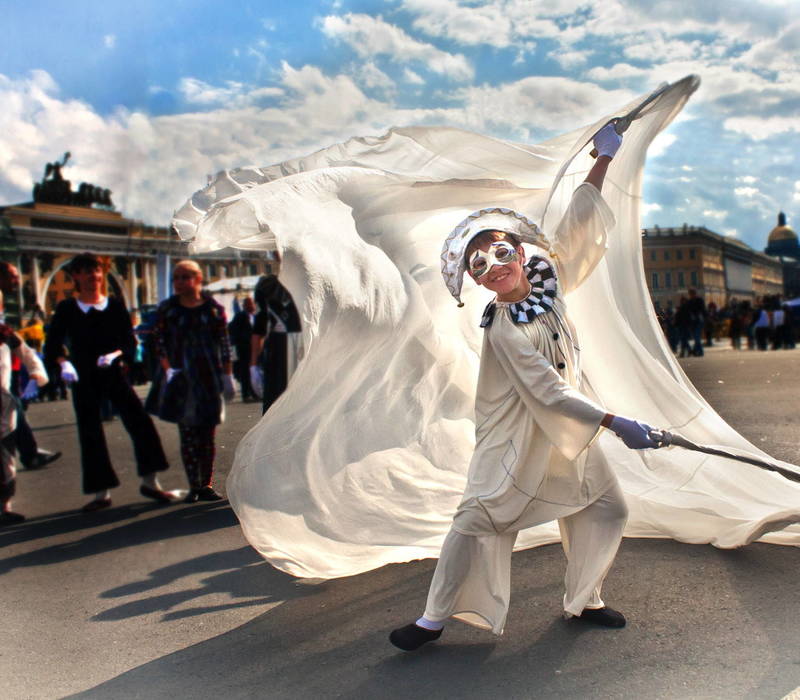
pixel 110 41
pixel 549 104
pixel 746 179
pixel 370 76
pixel 650 208
pixel 760 128
pixel 372 36
pixel 796 195
pixel 233 94
pixel 661 144
pixel 746 191
pixel 571 59
pixel 715 214
pixel 486 23
pixel 619 71
pixel 413 78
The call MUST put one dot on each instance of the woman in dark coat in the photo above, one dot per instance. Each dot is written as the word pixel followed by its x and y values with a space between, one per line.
pixel 191 336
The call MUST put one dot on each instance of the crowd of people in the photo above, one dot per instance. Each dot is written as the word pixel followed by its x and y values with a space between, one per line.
pixel 183 349
pixel 692 325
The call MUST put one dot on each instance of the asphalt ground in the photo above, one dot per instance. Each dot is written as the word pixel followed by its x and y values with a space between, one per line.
pixel 150 601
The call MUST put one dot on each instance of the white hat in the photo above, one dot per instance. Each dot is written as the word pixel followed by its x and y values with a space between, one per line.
pixel 454 263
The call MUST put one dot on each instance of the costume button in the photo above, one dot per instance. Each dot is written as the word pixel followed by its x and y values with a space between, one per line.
pixel 555 336
pixel 561 365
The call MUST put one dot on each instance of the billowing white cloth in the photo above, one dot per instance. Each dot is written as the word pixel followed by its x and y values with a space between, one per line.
pixel 362 461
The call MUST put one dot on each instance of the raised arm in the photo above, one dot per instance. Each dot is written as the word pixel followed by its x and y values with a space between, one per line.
pixel 607 142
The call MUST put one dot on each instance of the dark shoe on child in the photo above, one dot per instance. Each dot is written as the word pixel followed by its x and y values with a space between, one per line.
pixel 157 494
pixel 412 637
pixel 605 617
pixel 8 517
pixel 192 497
pixel 208 494
pixel 96 504
pixel 42 459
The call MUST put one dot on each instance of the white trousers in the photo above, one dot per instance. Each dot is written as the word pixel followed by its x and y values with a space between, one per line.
pixel 472 577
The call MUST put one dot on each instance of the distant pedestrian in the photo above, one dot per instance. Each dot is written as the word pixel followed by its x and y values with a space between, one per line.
pixel 241 333
pixel 275 343
pixel 12 345
pixel 696 308
pixel 191 335
pixel 97 331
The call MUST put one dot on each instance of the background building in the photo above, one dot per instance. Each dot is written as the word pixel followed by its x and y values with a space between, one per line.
pixel 783 244
pixel 40 238
pixel 718 267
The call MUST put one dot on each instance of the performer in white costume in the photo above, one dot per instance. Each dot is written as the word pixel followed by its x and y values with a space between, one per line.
pixel 535 459
pixel 364 458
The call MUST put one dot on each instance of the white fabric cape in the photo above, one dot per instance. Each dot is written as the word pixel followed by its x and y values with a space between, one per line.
pixel 363 460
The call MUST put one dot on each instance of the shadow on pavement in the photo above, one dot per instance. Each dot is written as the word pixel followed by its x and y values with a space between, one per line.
pixel 241 574
pixel 174 521
pixel 683 639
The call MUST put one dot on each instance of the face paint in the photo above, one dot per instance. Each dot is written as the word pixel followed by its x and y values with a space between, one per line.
pixel 499 253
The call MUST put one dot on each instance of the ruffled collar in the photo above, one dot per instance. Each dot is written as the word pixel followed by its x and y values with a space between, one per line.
pixel 542 277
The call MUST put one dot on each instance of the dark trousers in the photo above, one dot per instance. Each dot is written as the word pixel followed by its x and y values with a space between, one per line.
pixel 241 369
pixel 275 366
pixel 27 448
pixel 198 451
pixel 8 481
pixel 87 395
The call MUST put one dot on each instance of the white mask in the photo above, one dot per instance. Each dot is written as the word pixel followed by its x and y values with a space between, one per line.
pixel 499 253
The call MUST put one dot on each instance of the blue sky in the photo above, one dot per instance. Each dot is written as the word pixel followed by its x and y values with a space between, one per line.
pixel 151 97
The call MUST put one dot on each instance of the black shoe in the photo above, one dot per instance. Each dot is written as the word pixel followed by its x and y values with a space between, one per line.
pixel 96 504
pixel 605 617
pixel 157 494
pixel 208 494
pixel 412 637
pixel 8 517
pixel 42 459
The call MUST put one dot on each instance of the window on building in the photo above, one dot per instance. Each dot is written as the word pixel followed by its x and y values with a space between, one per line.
pixel 212 270
pixel 679 254
pixel 654 284
pixel 693 277
pixel 668 279
pixel 224 269
pixel 253 269
pixel 653 255
pixel 681 282
pixel 692 253
pixel 666 255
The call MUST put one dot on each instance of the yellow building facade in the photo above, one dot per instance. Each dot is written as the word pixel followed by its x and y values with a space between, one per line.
pixel 720 268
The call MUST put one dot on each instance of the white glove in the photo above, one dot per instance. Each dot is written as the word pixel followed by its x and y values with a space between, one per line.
pixel 228 389
pixel 633 433
pixel 257 380
pixel 607 141
pixel 31 390
pixel 108 359
pixel 171 372
pixel 68 372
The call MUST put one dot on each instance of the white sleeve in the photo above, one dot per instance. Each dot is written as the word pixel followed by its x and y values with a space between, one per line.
pixel 569 419
pixel 580 239
pixel 32 363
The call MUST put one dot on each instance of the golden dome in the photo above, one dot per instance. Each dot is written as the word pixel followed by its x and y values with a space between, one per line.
pixel 782 232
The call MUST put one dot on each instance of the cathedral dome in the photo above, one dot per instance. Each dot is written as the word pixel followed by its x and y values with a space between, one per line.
pixel 782 232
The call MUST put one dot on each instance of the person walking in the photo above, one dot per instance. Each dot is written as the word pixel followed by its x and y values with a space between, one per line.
pixel 191 337
pixel 97 331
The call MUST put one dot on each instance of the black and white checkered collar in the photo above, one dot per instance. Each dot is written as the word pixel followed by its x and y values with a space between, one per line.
pixel 543 291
